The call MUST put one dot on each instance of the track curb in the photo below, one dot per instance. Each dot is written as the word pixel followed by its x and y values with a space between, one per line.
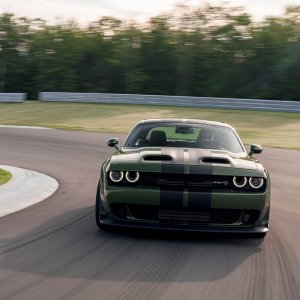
pixel 25 188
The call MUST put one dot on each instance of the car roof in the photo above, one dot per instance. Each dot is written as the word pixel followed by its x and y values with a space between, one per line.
pixel 186 121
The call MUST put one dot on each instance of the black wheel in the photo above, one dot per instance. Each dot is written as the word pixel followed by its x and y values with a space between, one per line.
pixel 98 206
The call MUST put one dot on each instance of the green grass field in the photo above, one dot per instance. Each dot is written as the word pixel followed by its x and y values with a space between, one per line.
pixel 4 176
pixel 272 129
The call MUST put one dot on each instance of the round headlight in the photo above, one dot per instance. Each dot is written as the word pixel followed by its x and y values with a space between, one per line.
pixel 256 182
pixel 132 177
pixel 239 181
pixel 116 176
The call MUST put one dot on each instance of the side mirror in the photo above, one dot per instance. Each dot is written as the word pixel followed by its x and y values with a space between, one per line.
pixel 113 142
pixel 255 149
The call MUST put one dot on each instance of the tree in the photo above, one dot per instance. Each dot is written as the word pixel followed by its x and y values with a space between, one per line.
pixel 207 51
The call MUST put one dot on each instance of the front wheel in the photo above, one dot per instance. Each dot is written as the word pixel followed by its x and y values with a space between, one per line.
pixel 97 210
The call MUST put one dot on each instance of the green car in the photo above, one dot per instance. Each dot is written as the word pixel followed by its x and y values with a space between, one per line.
pixel 179 174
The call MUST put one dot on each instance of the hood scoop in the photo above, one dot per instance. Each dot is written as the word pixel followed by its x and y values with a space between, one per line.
pixel 157 158
pixel 215 160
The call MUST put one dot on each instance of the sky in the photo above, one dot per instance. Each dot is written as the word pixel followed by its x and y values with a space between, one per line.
pixel 84 11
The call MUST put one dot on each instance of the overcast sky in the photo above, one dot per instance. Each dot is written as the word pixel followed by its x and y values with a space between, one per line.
pixel 85 11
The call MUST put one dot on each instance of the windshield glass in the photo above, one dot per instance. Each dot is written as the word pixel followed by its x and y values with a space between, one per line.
pixel 184 135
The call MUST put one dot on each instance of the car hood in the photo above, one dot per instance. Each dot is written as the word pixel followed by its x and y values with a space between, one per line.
pixel 185 160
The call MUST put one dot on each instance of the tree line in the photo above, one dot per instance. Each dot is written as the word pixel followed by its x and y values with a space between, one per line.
pixel 214 51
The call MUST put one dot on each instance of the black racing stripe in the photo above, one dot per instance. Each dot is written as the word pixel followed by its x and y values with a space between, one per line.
pixel 177 163
pixel 201 169
pixel 172 168
pixel 172 198
pixel 199 200
pixel 196 167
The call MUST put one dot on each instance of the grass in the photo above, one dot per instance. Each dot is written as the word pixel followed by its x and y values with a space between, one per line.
pixel 272 129
pixel 4 176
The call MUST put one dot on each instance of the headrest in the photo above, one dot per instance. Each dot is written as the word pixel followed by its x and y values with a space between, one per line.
pixel 206 134
pixel 158 138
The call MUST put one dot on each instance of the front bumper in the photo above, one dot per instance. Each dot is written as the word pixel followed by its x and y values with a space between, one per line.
pixel 261 226
pixel 110 221
pixel 212 200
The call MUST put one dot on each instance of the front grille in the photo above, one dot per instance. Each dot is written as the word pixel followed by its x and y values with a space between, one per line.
pixel 192 181
pixel 184 215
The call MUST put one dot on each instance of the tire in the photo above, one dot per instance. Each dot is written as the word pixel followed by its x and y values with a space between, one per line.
pixel 97 210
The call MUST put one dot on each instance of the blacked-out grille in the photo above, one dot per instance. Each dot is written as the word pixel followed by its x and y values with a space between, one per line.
pixel 185 180
pixel 184 215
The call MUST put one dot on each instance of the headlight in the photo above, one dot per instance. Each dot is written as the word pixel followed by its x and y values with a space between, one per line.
pixel 239 181
pixel 132 177
pixel 116 176
pixel 256 182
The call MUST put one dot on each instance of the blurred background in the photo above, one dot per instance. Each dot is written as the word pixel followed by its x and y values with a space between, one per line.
pixel 215 49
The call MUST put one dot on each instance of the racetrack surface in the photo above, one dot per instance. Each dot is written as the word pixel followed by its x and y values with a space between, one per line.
pixel 53 249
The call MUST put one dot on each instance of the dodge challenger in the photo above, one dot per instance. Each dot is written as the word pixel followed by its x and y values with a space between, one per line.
pixel 180 174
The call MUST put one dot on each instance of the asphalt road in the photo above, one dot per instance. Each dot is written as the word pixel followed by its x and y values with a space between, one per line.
pixel 53 249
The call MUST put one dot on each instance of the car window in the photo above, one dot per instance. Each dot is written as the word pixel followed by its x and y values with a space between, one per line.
pixel 185 136
pixel 171 133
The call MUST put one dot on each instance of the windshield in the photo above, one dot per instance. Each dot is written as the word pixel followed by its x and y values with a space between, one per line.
pixel 184 136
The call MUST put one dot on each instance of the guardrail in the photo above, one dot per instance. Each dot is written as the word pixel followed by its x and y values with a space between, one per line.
pixel 207 102
pixel 12 97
